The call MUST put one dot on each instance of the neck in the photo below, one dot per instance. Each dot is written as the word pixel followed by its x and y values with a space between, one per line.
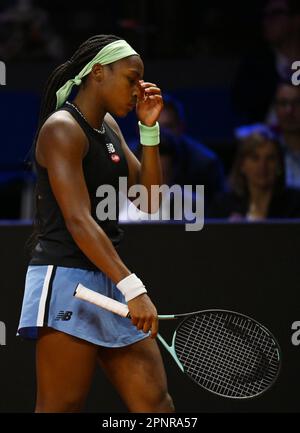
pixel 93 113
pixel 292 140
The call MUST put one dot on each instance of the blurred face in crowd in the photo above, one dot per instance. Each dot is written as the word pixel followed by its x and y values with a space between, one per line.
pixel 276 22
pixel 261 166
pixel 288 108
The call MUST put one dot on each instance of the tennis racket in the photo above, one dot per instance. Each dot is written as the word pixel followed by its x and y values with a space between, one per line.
pixel 226 353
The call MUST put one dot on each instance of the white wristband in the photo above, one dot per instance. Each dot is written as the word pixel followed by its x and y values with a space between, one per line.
pixel 131 287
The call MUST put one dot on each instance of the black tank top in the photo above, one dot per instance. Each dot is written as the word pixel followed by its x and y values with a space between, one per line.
pixel 55 245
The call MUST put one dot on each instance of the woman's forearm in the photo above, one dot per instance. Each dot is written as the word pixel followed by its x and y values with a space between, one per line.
pixel 151 174
pixel 95 244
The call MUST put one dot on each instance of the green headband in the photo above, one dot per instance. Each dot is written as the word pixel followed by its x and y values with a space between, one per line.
pixel 110 53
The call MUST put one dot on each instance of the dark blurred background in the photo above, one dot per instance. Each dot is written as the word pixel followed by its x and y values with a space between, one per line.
pixel 222 62
pixel 231 121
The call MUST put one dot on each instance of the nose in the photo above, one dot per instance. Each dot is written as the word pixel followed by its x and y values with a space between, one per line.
pixel 135 93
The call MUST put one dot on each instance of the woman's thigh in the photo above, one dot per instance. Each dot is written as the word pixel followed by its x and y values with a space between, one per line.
pixel 65 367
pixel 138 374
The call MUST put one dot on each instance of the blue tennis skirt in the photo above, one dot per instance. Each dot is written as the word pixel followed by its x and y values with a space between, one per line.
pixel 49 302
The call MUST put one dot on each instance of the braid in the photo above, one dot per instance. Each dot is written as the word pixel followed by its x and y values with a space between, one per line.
pixel 86 51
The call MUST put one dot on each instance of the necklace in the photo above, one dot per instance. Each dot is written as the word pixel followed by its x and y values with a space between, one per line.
pixel 99 131
pixel 109 146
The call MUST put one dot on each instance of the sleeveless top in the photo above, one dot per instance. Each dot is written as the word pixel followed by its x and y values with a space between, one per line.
pixel 103 164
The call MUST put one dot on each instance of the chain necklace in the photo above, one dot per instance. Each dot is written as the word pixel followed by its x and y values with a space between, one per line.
pixel 99 131
pixel 109 146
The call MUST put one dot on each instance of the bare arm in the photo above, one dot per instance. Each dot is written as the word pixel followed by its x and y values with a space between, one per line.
pixel 60 149
pixel 147 172
pixel 148 108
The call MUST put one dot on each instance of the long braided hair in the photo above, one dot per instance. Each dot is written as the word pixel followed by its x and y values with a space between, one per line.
pixel 86 51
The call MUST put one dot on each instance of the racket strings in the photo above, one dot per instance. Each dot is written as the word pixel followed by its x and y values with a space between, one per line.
pixel 236 374
pixel 227 374
pixel 227 353
pixel 240 355
pixel 234 370
pixel 218 355
pixel 212 379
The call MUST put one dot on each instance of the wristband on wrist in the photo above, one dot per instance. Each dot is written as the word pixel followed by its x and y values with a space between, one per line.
pixel 149 135
pixel 131 287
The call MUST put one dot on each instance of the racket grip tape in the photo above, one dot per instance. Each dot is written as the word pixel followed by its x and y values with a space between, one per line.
pixel 96 298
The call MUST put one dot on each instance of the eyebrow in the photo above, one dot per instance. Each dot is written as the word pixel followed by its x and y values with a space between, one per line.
pixel 136 72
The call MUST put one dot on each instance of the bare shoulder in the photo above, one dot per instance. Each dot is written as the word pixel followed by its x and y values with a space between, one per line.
pixel 60 133
pixel 60 126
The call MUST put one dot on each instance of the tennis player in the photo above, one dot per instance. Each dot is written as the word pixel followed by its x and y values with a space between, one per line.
pixel 79 147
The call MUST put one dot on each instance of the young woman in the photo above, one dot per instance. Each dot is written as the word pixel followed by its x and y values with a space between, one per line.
pixel 80 147
pixel 257 183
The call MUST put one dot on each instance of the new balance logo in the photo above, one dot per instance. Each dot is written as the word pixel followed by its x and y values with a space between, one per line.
pixel 110 148
pixel 64 315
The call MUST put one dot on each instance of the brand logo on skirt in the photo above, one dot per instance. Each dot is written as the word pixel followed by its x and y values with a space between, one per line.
pixel 64 315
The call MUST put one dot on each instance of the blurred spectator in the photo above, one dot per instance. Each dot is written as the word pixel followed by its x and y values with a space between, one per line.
pixel 199 165
pixel 172 165
pixel 287 103
pixel 26 34
pixel 257 183
pixel 260 72
pixel 171 168
pixel 194 163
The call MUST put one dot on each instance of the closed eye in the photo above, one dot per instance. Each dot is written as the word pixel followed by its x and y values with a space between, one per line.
pixel 132 81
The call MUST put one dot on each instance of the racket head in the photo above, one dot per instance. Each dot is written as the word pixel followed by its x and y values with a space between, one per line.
pixel 227 353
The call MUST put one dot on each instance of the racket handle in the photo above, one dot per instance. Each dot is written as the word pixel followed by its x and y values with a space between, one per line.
pixel 109 304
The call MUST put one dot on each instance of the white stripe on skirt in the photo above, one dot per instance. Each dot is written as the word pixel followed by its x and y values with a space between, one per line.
pixel 42 304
